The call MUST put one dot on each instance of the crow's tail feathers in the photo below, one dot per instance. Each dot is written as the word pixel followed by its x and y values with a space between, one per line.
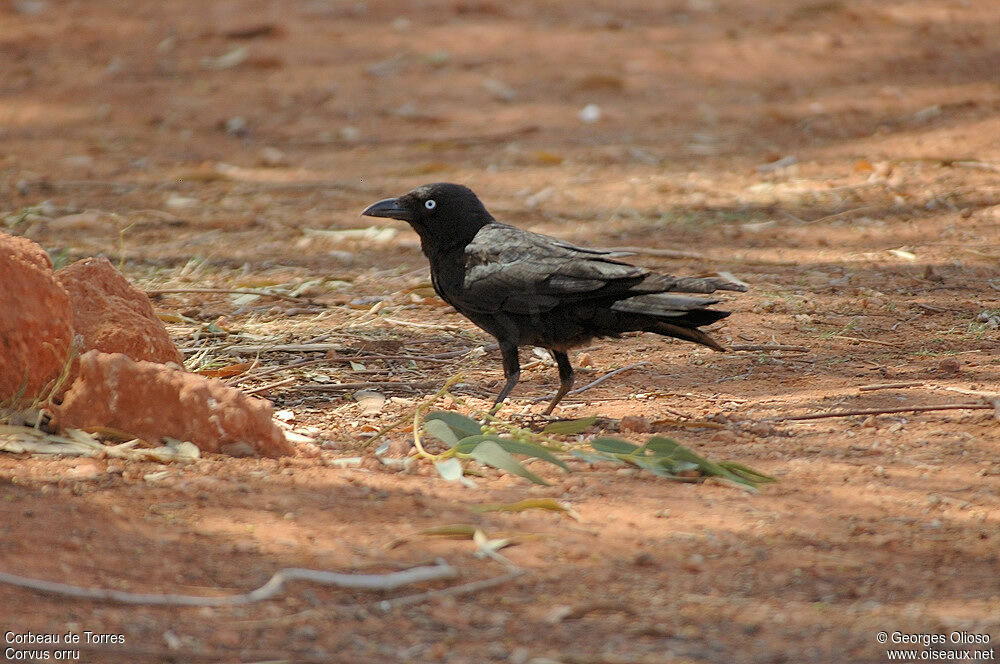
pixel 677 316
pixel 688 333
pixel 663 283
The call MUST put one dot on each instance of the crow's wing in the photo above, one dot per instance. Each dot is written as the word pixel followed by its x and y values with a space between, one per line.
pixel 513 270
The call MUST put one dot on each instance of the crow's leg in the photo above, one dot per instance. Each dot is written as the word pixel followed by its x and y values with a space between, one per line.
pixel 511 370
pixel 565 377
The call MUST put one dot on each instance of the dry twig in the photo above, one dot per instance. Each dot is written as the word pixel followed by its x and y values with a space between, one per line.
pixel 454 591
pixel 336 387
pixel 838 215
pixel 768 347
pixel 298 364
pixel 890 386
pixel 362 358
pixel 233 291
pixel 390 581
pixel 270 386
pixel 596 382
pixel 881 411
pixel 863 340
pixel 280 348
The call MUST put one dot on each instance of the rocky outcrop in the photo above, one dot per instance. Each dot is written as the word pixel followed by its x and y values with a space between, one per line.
pixel 113 316
pixel 36 331
pixel 152 401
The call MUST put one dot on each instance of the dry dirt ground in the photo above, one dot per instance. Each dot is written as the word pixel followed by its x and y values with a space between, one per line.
pixel 841 157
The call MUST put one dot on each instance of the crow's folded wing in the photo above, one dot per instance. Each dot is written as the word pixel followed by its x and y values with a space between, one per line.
pixel 509 269
pixel 517 271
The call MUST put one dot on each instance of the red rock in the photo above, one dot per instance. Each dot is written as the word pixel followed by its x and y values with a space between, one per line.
pixel 112 315
pixel 151 401
pixel 35 320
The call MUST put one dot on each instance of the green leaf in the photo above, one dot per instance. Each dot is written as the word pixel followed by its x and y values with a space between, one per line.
pixel 669 448
pixel 613 445
pixel 462 426
pixel 569 427
pixel 661 445
pixel 676 458
pixel 490 453
pixel 676 466
pixel 469 443
pixel 466 445
pixel 441 431
pixel 747 473
pixel 591 457
pixel 532 450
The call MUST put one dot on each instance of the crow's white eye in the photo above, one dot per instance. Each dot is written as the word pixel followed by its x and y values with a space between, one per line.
pixel 430 204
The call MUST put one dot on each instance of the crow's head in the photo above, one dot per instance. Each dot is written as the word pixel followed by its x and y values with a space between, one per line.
pixel 442 213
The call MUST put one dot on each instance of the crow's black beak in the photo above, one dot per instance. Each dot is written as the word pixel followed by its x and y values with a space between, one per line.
pixel 390 208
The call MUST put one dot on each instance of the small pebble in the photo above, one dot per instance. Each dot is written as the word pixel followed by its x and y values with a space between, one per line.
pixel 590 114
pixel 695 563
pixel 237 126
pixel 635 423
pixel 760 429
pixel 724 436
pixel 273 157
pixel 949 365
pixel 643 559
pixel 88 469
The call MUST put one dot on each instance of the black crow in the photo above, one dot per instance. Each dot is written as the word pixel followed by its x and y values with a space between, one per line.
pixel 531 289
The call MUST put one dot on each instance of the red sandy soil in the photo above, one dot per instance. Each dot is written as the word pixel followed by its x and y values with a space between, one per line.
pixel 139 131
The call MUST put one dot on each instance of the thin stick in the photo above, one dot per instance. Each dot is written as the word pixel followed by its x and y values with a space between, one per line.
pixel 766 347
pixel 863 340
pixel 324 387
pixel 428 326
pixel 282 348
pixel 430 358
pixel 977 165
pixel 298 364
pixel 597 382
pixel 463 589
pixel 932 308
pixel 881 411
pixel 891 386
pixel 301 364
pixel 838 215
pixel 388 605
pixel 231 291
pixel 270 386
pixel 390 581
pixel 488 348
pixel 415 358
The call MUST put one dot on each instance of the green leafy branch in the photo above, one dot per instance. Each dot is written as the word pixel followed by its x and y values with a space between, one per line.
pixel 662 456
pixel 491 441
